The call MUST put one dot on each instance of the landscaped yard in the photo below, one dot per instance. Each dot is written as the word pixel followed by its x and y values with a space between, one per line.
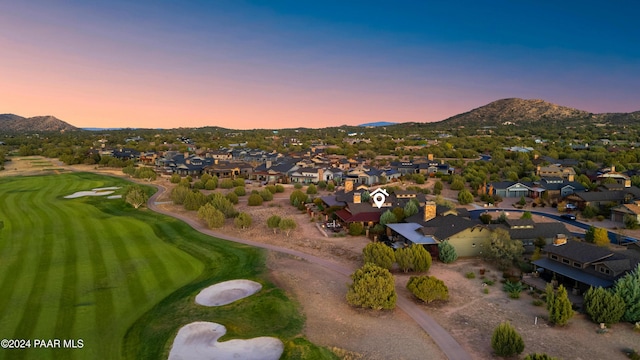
pixel 120 279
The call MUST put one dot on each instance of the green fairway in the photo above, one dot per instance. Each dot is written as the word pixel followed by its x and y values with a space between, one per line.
pixel 120 279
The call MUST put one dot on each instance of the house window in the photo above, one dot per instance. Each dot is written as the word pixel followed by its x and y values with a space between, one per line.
pixel 566 261
pixel 554 257
pixel 575 264
pixel 473 245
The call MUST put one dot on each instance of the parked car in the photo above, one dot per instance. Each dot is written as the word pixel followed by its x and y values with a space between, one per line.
pixel 568 216
pixel 571 207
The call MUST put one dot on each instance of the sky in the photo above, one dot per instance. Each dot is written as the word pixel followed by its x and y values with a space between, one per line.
pixel 296 63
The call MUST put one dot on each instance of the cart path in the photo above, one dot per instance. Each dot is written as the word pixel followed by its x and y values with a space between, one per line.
pixel 447 344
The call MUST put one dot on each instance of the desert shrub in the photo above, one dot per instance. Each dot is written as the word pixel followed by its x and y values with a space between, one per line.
pixel 238 182
pixel 506 341
pixel 279 188
pixel 222 203
pixel 379 254
pixel 297 186
pixel 356 228
pixel 266 195
pixel 287 225
pixel 273 222
pixel 428 288
pixel 470 275
pixel 255 200
pixel 211 184
pixel 226 183
pixel 240 191
pixel 233 198
pixel 311 189
pixel 297 196
pixel 272 188
pixel 179 193
pixel 242 221
pixel 212 216
pixel 536 356
pixel 175 178
pixel 486 218
pixel 513 289
pixel 404 258
pixel 372 287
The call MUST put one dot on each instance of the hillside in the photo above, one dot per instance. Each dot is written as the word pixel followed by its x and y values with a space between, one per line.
pixel 15 123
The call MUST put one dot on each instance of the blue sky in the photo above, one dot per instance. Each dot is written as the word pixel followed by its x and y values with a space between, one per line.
pixel 249 64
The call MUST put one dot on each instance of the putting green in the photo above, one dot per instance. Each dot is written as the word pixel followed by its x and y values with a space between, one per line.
pixel 121 280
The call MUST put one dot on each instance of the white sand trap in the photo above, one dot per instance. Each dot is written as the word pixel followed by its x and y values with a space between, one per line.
pixel 227 292
pixel 199 341
pixel 88 193
pixel 106 188
pixel 114 197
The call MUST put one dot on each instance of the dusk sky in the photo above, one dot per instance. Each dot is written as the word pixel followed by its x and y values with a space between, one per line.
pixel 277 64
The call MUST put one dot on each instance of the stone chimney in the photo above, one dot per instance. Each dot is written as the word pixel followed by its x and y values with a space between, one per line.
pixel 348 185
pixel 320 174
pixel 186 155
pixel 429 210
pixel 215 161
pixel 357 198
pixel 430 157
pixel 613 168
pixel 268 164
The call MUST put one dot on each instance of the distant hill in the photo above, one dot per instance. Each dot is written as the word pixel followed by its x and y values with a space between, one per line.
pixel 15 123
pixel 520 111
pixel 379 123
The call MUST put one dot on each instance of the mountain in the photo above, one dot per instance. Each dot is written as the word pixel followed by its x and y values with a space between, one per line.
pixel 377 124
pixel 514 111
pixel 15 123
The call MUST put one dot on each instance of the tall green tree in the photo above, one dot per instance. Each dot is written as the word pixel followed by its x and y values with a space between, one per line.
pixel 589 235
pixel 506 341
pixel 628 288
pixel 388 217
pixel 446 252
pixel 502 249
pixel 380 254
pixel 421 258
pixel 558 305
pixel 287 225
pixel 465 197
pixel 603 306
pixel 212 216
pixel 373 287
pixel 410 209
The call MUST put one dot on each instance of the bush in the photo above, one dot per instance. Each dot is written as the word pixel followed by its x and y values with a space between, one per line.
pixel 255 200
pixel 535 356
pixel 211 184
pixel 175 178
pixel 404 258
pixel 213 217
pixel 266 195
pixel 513 289
pixel 279 188
pixel 311 189
pixel 470 275
pixel 240 191
pixel 297 196
pixel 238 182
pixel 286 225
pixel 273 222
pixel 379 254
pixel 506 341
pixel 297 186
pixel 421 258
pixel 486 218
pixel 242 221
pixel 356 229
pixel 226 183
pixel 233 198
pixel 373 287
pixel 428 288
pixel 559 306
pixel 272 188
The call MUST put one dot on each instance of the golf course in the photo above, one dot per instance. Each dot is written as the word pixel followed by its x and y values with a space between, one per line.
pixel 120 279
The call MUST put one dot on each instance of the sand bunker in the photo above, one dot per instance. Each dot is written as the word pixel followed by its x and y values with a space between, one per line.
pixel 114 197
pixel 94 192
pixel 199 341
pixel 227 292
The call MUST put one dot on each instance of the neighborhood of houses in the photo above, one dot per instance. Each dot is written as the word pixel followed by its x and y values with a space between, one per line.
pixel 577 263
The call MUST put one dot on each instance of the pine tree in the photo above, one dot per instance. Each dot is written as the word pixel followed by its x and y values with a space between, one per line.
pixel 388 218
pixel 506 341
pixel 628 288
pixel 404 258
pixel 243 220
pixel 603 306
pixel 428 288
pixel 273 222
pixel 558 305
pixel 379 254
pixel 421 258
pixel 373 287
pixel 590 234
pixel 446 252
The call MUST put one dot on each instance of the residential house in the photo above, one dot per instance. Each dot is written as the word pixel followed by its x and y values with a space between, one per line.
pixel 126 154
pixel 509 189
pixel 528 231
pixel 558 188
pixel 581 265
pixel 598 199
pixel 618 213
pixel 227 169
pixel 274 173
pixel 556 171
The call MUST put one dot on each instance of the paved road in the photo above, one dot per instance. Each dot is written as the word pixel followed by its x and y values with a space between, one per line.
pixel 449 346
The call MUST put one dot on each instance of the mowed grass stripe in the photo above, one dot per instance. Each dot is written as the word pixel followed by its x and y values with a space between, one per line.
pixel 31 320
